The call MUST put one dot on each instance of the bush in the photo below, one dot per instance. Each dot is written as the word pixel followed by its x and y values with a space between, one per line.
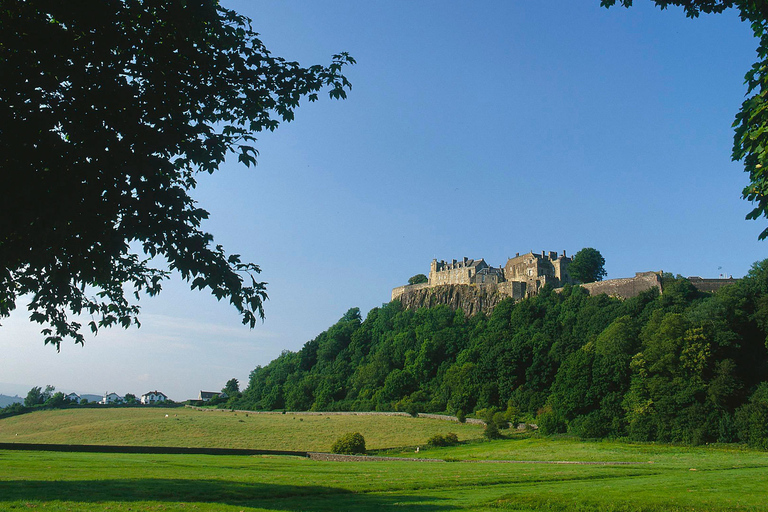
pixel 491 431
pixel 449 439
pixel 349 444
pixel 550 422
pixel 461 416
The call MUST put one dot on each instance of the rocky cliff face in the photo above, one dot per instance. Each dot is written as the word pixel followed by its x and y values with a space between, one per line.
pixel 471 299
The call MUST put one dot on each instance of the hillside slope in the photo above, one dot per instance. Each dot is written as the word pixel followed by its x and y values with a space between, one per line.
pixel 683 366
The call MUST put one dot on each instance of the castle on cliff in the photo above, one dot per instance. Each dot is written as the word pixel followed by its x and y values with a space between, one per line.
pixel 532 271
pixel 474 286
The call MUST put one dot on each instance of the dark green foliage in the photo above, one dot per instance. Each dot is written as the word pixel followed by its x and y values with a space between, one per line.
pixel 349 444
pixel 752 419
pixel 130 398
pixel 418 279
pixel 13 409
pixel 680 366
pixel 491 431
pixel 115 108
pixel 38 396
pixel 449 439
pixel 587 266
pixel 232 388
pixel 57 400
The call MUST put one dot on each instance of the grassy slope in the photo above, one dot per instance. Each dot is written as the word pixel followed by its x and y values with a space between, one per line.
pixel 678 479
pixel 192 428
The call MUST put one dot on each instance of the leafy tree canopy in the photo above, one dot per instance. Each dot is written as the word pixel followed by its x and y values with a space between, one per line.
pixel 750 137
pixel 108 110
pixel 418 279
pixel 231 388
pixel 587 266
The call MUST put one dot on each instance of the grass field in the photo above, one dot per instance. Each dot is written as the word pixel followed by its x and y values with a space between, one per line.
pixel 221 429
pixel 660 478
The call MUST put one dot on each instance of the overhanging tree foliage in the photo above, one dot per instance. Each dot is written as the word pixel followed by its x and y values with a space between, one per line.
pixel 750 142
pixel 108 109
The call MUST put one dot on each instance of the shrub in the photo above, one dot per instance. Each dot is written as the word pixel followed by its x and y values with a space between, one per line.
pixel 449 439
pixel 461 416
pixel 436 440
pixel 491 431
pixel 500 419
pixel 349 444
pixel 550 422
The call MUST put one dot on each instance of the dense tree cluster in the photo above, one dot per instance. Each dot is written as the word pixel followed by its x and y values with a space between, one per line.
pixel 678 366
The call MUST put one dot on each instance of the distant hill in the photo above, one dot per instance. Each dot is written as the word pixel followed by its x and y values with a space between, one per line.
pixel 6 400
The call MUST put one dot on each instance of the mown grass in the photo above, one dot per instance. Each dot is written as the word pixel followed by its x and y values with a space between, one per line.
pixel 660 478
pixel 80 481
pixel 221 429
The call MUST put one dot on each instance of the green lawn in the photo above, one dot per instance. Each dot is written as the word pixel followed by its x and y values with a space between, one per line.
pixel 722 480
pixel 221 429
pixel 659 478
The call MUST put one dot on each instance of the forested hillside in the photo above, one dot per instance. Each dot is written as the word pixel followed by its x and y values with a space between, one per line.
pixel 681 366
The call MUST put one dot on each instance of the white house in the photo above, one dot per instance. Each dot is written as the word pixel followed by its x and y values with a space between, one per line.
pixel 111 398
pixel 210 395
pixel 153 397
pixel 73 397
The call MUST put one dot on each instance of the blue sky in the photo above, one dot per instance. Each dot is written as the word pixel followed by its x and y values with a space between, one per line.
pixel 472 129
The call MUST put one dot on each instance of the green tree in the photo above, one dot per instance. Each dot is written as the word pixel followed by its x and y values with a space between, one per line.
pixel 37 395
pixel 418 279
pixel 750 137
pixel 33 397
pixel 130 398
pixel 232 388
pixel 56 400
pixel 115 107
pixel 587 266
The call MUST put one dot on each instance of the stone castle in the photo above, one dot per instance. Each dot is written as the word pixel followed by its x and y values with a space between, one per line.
pixel 474 286
pixel 522 276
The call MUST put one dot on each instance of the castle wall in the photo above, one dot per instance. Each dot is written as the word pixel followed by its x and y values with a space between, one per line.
pixel 625 287
pixel 710 285
pixel 400 290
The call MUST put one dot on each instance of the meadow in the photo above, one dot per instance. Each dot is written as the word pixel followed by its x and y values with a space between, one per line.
pixel 655 477
pixel 221 429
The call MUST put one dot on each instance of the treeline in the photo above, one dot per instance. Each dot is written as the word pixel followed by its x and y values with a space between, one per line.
pixel 682 366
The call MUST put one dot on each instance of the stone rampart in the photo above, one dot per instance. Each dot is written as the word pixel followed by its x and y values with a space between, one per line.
pixel 626 287
pixel 710 285
pixel 400 290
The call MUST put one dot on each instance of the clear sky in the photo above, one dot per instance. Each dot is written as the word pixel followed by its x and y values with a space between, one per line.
pixel 476 129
